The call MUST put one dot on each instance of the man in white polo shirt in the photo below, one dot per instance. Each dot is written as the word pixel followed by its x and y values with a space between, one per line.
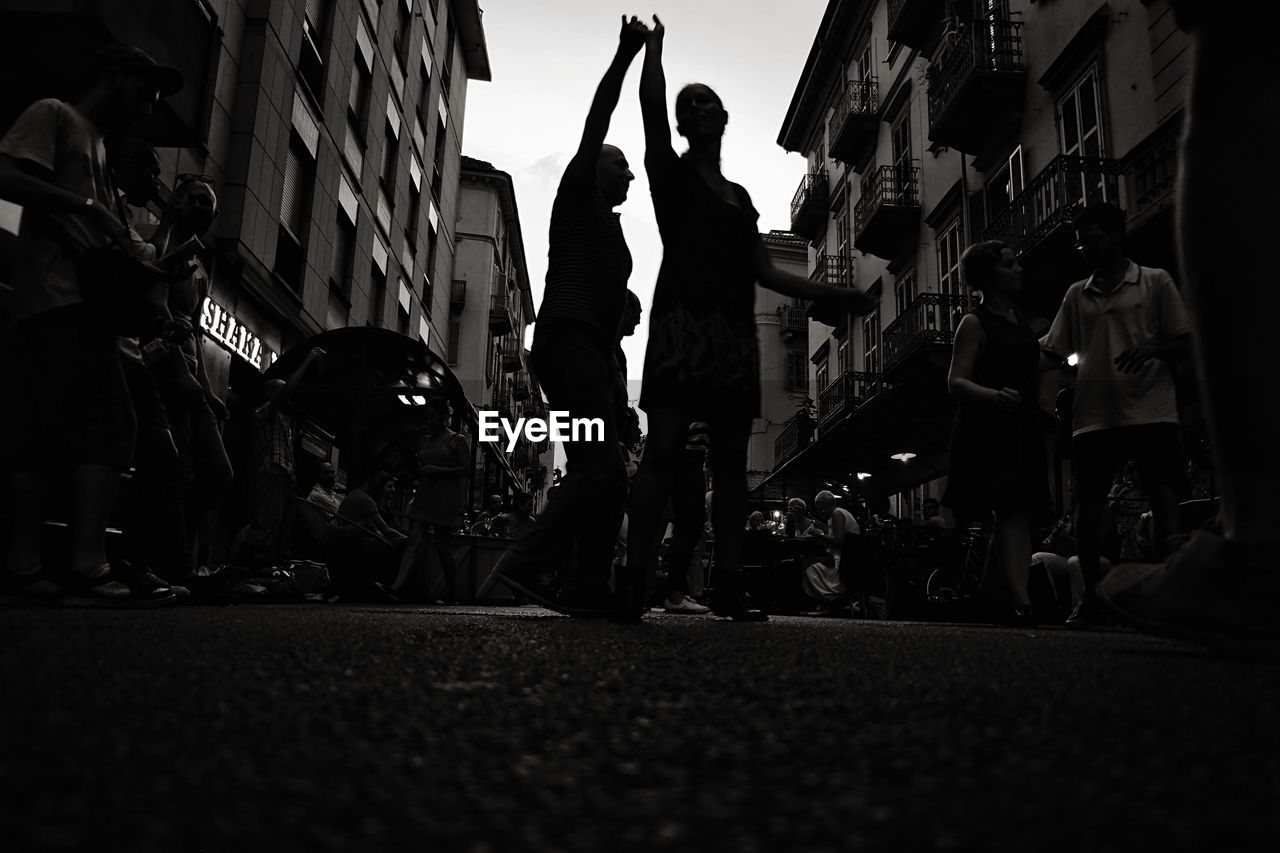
pixel 1125 323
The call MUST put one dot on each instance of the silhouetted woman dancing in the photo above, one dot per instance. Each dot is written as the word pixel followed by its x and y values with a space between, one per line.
pixel 702 361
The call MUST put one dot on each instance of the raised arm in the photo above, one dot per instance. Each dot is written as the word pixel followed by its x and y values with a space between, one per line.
pixel 653 93
pixel 789 284
pixel 630 40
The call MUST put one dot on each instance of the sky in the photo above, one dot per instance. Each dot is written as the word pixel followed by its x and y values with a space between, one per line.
pixel 547 57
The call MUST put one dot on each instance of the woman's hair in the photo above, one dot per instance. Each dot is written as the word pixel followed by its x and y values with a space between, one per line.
pixel 978 263
pixel 683 96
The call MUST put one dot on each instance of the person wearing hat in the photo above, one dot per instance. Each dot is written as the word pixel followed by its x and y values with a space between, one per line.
pixel 60 374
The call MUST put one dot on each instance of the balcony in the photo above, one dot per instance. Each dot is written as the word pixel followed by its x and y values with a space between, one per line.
pixel 913 22
pixel 835 270
pixel 795 436
pixel 975 85
pixel 809 206
pixel 502 402
pixel 1052 199
pixel 1153 169
pixel 458 295
pixel 792 321
pixel 510 351
pixel 520 388
pixel 522 456
pixel 920 337
pixel 535 408
pixel 855 123
pixel 499 314
pixel 886 222
pixel 846 395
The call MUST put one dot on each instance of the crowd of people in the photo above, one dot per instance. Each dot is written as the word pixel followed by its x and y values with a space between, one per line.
pixel 98 386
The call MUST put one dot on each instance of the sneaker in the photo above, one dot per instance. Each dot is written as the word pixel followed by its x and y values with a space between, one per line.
pixel 1090 613
pixel 106 590
pixel 1204 594
pixel 685 605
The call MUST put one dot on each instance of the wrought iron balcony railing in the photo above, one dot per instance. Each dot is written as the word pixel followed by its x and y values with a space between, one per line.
pixel 520 387
pixel 886 217
pixel 931 318
pixel 1154 168
pixel 1052 199
pixel 855 119
pixel 499 313
pixel 990 47
pixel 786 444
pixel 850 390
pixel 792 320
pixel 509 350
pixel 835 270
pixel 809 204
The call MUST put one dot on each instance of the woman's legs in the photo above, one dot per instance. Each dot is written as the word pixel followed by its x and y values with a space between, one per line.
pixel 689 503
pixel 442 544
pixel 417 532
pixel 729 439
pixel 1009 557
pixel 649 493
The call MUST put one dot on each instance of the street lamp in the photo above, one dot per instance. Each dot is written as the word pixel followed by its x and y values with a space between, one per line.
pixel 903 457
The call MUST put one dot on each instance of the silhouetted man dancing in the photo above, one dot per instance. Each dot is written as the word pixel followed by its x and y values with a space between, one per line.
pixel 573 355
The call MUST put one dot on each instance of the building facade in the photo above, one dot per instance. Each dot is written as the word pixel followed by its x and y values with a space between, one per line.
pixel 490 307
pixel 932 125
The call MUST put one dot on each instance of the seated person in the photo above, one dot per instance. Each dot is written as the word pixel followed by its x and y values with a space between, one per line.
pixel 521 516
pixel 821 581
pixel 322 493
pixel 364 548
pixel 484 523
pixel 931 515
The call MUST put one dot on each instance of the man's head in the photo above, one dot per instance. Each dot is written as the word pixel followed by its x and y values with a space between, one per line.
pixel 613 175
pixel 195 203
pixel 700 114
pixel 493 503
pixel 522 504
pixel 1100 234
pixel 930 508
pixel 135 166
pixel 131 82
pixel 378 482
pixel 631 312
pixel 824 503
pixel 327 475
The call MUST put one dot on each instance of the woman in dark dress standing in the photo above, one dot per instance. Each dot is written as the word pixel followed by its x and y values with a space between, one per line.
pixel 702 361
pixel 998 461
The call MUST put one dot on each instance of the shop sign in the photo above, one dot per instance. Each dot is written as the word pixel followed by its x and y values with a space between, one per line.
pixel 221 325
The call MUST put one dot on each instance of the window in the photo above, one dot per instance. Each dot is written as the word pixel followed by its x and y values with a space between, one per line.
pixel 950 246
pixel 387 170
pixel 428 295
pixel 843 241
pixel 433 231
pixel 415 203
pixel 1080 131
pixel 437 167
pixel 842 357
pixel 342 263
pixel 904 291
pixel 822 373
pixel 900 138
pixel 357 114
pixel 455 334
pixel 310 59
pixel 871 342
pixel 295 204
pixel 797 373
pixel 404 28
pixel 446 62
pixel 1003 186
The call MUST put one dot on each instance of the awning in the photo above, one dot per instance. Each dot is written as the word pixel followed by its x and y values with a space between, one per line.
pixel 911 418
pixel 369 393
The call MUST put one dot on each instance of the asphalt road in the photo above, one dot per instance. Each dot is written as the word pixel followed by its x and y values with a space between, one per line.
pixel 483 729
